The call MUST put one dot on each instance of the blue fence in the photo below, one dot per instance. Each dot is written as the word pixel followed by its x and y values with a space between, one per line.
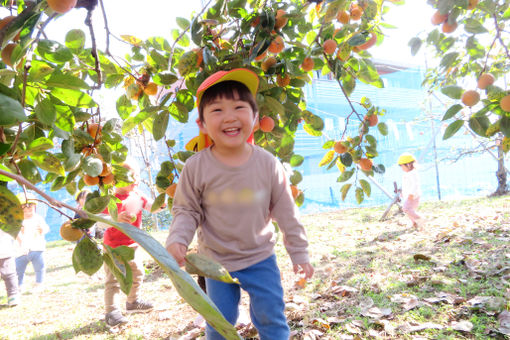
pixel 413 126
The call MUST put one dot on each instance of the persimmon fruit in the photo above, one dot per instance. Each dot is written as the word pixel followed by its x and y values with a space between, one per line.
pixel 365 164
pixel 268 63
pixel 280 19
pixel 485 80
pixel 438 18
pixel 266 124
pixel 343 17
pixel 329 46
pixel 283 81
pixel 277 45
pixel 68 233
pixel 505 103
pixel 307 64
pixel 470 98
pixel 62 6
pixel 89 180
pixel 340 147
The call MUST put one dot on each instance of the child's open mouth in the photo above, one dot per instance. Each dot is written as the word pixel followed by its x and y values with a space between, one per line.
pixel 232 131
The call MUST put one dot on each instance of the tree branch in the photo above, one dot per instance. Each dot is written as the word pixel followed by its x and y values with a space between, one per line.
pixel 88 22
pixel 53 202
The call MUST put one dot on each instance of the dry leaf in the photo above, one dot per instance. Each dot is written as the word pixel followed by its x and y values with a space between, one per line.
pixel 423 326
pixel 301 283
pixel 344 290
pixel 421 257
pixel 464 326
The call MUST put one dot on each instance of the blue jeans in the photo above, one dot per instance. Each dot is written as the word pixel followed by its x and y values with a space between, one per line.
pixel 37 259
pixel 263 284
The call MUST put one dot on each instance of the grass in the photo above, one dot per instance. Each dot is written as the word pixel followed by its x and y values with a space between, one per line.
pixel 373 280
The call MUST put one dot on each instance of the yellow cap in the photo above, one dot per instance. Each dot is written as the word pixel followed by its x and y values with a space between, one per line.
pixel 22 198
pixel 405 158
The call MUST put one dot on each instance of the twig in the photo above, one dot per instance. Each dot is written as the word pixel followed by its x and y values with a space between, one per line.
pixel 498 35
pixel 182 34
pixel 53 202
pixel 107 29
pixel 88 22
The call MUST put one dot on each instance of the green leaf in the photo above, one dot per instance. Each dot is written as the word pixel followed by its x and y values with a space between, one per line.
pixel 40 144
pixel 365 186
pixel 87 257
pixel 53 51
pixel 449 59
pixel 158 202
pixel 131 122
pixel 452 111
pixel 124 106
pixel 415 44
pixel 97 204
pixel 348 83
pixel 6 169
pixel 204 266
pixel 117 259
pixel 359 195
pixel 273 105
pixel 74 97
pixel 452 91
pixel 346 159
pixel 452 129
pixel 344 190
pixel 65 118
pixel 75 40
pixel 479 125
pixel 164 78
pixel 45 112
pixel 474 26
pixel 11 213
pixel 346 175
pixel 506 15
pixel 11 111
pixel 66 81
pixel 383 128
pixel 296 178
pixel 160 125
pixel 182 23
pixel 92 166
pixel 58 183
pixel 504 125
pixel 48 162
pixel 309 129
pixel 296 160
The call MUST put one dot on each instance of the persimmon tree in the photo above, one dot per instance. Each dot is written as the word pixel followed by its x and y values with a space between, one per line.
pixel 52 129
pixel 471 45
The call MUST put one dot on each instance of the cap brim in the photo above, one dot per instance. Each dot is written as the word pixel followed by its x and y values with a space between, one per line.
pixel 242 75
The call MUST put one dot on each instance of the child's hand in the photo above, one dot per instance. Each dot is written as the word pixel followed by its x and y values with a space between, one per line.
pixel 178 251
pixel 304 268
pixel 126 217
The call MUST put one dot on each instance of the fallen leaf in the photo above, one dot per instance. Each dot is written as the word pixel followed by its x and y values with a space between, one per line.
pixel 421 257
pixel 344 290
pixel 376 312
pixel 464 326
pixel 423 326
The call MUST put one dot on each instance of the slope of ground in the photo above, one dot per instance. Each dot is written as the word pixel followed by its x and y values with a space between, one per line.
pixel 373 279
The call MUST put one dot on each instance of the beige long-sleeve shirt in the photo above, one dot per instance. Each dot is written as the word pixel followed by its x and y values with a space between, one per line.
pixel 233 208
pixel 411 184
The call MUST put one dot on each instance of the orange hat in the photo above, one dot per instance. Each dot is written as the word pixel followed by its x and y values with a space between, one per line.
pixel 242 75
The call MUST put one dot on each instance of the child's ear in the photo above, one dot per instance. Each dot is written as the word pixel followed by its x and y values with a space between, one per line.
pixel 201 126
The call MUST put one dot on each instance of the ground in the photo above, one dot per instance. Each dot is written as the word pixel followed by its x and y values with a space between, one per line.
pixel 373 279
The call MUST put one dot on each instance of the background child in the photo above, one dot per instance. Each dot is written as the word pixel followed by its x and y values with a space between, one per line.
pixel 8 268
pixel 411 191
pixel 129 211
pixel 31 242
pixel 231 191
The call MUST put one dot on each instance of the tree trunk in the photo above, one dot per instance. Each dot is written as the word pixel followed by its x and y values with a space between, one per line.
pixel 501 173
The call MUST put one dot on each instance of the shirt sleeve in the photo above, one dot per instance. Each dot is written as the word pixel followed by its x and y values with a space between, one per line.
pixel 186 208
pixel 284 211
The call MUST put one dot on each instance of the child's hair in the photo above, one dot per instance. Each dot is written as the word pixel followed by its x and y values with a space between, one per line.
pixel 229 89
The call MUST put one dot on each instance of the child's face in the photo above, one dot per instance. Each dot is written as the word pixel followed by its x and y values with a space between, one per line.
pixel 229 122
pixel 28 210
pixel 406 167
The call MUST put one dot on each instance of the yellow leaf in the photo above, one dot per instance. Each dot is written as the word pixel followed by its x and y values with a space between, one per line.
pixel 132 40
pixel 340 165
pixel 328 157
